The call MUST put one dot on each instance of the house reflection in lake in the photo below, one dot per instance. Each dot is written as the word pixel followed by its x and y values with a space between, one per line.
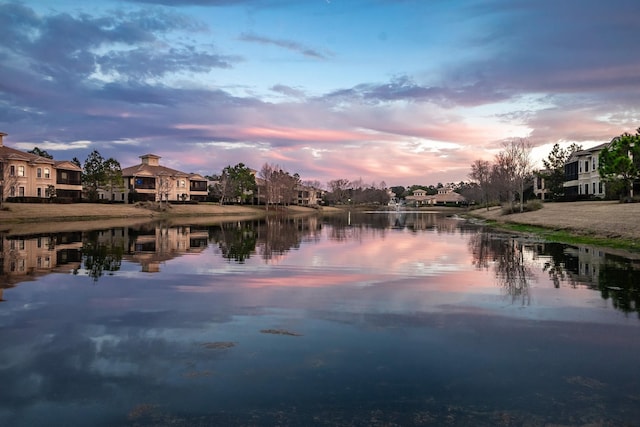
pixel 98 252
pixel 24 257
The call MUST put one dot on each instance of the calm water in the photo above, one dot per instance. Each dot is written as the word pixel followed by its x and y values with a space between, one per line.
pixel 370 319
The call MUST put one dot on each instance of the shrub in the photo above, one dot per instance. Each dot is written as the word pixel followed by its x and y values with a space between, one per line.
pixel 530 206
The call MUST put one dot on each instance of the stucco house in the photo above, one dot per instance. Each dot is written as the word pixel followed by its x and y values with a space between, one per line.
pixel 150 181
pixel 24 174
pixel 445 196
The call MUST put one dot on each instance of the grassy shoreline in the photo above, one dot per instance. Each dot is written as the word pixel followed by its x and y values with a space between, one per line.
pixel 596 223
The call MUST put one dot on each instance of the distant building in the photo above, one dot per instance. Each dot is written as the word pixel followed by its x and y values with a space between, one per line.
pixel 445 196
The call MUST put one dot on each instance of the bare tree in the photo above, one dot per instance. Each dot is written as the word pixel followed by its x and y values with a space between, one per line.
pixel 267 174
pixel 523 166
pixel 515 167
pixel 8 180
pixel 339 190
pixel 163 188
pixel 481 173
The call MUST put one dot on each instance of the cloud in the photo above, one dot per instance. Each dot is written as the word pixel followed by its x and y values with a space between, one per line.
pixel 285 44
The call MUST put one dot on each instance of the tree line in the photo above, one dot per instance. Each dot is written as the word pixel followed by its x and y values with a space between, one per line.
pixel 504 180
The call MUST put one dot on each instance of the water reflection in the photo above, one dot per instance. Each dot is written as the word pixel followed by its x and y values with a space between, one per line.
pixel 402 319
pixel 513 260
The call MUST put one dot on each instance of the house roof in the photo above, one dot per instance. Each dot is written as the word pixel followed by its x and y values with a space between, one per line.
pixel 67 164
pixel 588 151
pixel 148 170
pixel 9 153
pixel 449 197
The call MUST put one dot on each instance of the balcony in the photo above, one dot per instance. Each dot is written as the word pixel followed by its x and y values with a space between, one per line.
pixel 198 186
pixel 144 183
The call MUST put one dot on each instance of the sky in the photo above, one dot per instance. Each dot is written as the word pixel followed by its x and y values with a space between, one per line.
pixel 396 91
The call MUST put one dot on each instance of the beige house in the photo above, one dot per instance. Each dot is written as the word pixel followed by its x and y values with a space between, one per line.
pixel 445 196
pixel 149 181
pixel 24 174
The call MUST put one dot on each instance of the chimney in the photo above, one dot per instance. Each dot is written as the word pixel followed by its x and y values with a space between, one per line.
pixel 2 135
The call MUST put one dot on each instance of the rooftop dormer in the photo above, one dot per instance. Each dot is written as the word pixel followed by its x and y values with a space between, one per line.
pixel 150 159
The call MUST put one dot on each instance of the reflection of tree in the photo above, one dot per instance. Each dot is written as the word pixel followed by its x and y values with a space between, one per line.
pixel 100 256
pixel 507 255
pixel 483 247
pixel 277 235
pixel 237 240
pixel 512 271
pixel 558 264
pixel 620 283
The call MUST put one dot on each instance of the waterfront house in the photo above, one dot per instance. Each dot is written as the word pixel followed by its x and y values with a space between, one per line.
pixel 27 175
pixel 150 181
pixel 582 179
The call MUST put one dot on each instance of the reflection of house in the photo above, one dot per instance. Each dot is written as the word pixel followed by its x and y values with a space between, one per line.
pixel 445 196
pixel 149 181
pixel 582 178
pixel 28 175
pixel 152 246
pixel 24 257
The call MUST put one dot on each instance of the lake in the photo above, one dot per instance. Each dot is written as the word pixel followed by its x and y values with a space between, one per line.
pixel 361 319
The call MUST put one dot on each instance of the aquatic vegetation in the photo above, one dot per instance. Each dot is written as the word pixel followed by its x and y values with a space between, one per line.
pixel 219 345
pixel 280 332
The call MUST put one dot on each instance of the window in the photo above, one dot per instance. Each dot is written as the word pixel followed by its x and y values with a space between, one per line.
pixel 183 183
pixel 586 166
pixel 64 175
pixel 39 173
pixel 47 173
pixel 12 170
pixel 12 191
pixel 20 170
pixel 600 187
pixel 21 191
pixel 594 188
pixel 586 189
pixel 39 192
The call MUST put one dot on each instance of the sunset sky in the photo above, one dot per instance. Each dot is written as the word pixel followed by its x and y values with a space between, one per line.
pixel 406 92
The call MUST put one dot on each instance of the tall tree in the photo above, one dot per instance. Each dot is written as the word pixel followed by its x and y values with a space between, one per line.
pixel 268 175
pixel 481 174
pixel 93 174
pixel 619 163
pixel 41 153
pixel 241 181
pixel 112 175
pixel 515 160
pixel 553 174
